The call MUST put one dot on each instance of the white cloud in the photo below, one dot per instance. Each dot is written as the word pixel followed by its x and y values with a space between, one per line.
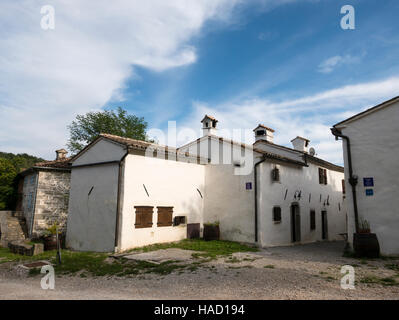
pixel 47 77
pixel 328 65
pixel 311 116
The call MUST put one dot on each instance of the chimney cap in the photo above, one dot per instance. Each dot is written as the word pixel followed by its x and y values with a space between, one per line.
pixel 301 138
pixel 210 118
pixel 61 154
pixel 264 127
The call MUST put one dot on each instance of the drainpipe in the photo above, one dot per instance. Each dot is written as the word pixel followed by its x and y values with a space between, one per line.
pixel 118 206
pixel 352 178
pixel 256 196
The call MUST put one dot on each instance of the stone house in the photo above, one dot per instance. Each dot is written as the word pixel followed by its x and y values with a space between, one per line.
pixel 127 193
pixel 44 194
pixel 370 142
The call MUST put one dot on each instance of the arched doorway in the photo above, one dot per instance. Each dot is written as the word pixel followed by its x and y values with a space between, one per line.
pixel 295 223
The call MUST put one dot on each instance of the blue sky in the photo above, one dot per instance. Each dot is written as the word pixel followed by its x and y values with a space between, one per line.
pixel 287 64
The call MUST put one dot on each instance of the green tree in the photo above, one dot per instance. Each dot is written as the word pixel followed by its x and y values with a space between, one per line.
pixel 7 176
pixel 86 128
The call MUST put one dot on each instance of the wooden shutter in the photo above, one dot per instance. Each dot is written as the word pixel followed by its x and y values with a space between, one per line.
pixel 321 176
pixel 165 216
pixel 325 176
pixel 143 216
pixel 343 186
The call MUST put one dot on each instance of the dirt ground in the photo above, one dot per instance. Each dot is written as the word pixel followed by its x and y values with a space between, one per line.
pixel 298 272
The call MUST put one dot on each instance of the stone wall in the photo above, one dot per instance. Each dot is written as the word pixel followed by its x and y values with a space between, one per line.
pixel 28 198
pixel 51 200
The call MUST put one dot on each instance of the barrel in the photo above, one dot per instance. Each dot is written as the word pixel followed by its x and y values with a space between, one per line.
pixel 366 245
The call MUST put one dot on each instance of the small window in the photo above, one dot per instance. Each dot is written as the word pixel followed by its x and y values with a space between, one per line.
pixel 312 220
pixel 260 132
pixel 322 176
pixel 343 186
pixel 143 216
pixel 276 214
pixel 165 216
pixel 276 174
pixel 178 220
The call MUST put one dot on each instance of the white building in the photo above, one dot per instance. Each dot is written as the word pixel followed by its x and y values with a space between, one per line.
pixel 127 193
pixel 371 150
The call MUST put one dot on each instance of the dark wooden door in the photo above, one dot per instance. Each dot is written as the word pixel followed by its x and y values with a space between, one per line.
pixel 295 223
pixel 324 225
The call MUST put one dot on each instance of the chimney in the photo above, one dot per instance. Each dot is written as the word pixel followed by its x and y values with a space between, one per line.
pixel 209 125
pixel 61 154
pixel 300 144
pixel 263 133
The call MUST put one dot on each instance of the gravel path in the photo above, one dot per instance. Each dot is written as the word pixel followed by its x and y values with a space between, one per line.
pixel 298 272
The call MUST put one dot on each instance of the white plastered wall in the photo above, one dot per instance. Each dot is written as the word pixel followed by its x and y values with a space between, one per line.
pixel 93 199
pixel 306 180
pixel 168 183
pixel 375 149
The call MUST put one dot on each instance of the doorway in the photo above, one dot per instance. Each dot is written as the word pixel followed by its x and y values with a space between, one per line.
pixel 295 223
pixel 324 225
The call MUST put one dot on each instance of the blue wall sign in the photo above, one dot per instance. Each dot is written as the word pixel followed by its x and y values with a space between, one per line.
pixel 248 186
pixel 369 192
pixel 368 182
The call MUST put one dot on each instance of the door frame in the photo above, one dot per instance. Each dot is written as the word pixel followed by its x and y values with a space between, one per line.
pixel 295 222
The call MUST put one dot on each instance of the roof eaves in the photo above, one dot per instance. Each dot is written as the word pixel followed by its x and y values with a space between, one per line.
pixel 367 111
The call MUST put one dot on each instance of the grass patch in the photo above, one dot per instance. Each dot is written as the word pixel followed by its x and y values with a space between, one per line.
pixel 392 266
pixel 208 249
pixel 96 264
pixel 269 266
pixel 388 281
pixel 7 256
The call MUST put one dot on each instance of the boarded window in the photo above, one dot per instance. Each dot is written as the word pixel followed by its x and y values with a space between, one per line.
pixel 276 214
pixel 143 216
pixel 322 176
pixel 276 174
pixel 312 220
pixel 165 216
pixel 343 186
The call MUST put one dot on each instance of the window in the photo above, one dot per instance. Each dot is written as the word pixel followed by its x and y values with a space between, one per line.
pixel 343 186
pixel 178 220
pixel 312 220
pixel 143 216
pixel 276 214
pixel 322 176
pixel 276 174
pixel 165 216
pixel 260 132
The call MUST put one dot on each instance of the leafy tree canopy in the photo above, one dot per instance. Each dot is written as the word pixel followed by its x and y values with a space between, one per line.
pixel 86 128
pixel 10 165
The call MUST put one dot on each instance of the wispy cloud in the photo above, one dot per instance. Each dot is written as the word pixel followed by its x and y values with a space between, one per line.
pixel 310 116
pixel 328 65
pixel 47 77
